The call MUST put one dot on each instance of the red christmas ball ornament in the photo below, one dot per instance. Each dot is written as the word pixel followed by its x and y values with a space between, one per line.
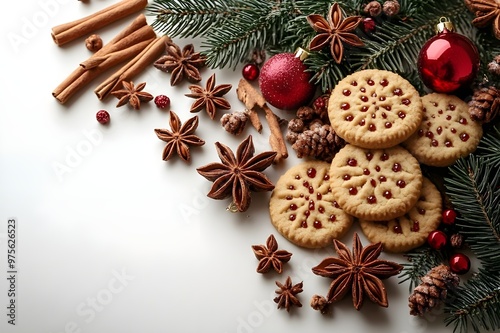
pixel 459 263
pixel 250 72
pixel 437 239
pixel 448 61
pixel 449 216
pixel 284 82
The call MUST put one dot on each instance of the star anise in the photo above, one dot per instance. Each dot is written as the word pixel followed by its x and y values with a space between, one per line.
pixel 287 294
pixel 335 30
pixel 238 175
pixel 185 63
pixel 361 272
pixel 487 12
pixel 179 138
pixel 270 257
pixel 210 98
pixel 132 95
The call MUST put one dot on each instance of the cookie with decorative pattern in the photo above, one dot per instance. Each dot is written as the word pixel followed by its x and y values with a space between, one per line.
pixel 375 184
pixel 302 207
pixel 374 109
pixel 411 230
pixel 446 133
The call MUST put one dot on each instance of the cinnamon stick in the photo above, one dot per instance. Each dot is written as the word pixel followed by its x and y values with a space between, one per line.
pixel 254 100
pixel 67 32
pixel 124 46
pixel 152 52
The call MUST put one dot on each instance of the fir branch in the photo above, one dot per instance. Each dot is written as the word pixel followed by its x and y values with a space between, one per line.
pixel 474 189
pixel 475 305
pixel 421 261
pixel 326 73
pixel 489 147
pixel 258 25
pixel 189 18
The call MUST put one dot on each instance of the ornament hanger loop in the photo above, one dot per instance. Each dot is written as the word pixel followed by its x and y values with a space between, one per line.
pixel 444 24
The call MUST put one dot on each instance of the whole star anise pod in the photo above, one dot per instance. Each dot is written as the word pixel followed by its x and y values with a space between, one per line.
pixel 238 175
pixel 132 95
pixel 209 98
pixel 359 271
pixel 335 30
pixel 180 64
pixel 287 294
pixel 179 138
pixel 270 257
pixel 487 12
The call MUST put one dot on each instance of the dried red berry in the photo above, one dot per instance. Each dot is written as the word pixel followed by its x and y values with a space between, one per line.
pixel 162 101
pixel 102 116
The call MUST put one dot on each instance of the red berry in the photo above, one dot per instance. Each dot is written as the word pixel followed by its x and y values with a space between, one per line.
pixel 369 25
pixel 319 103
pixel 459 263
pixel 449 216
pixel 162 101
pixel 250 72
pixel 437 239
pixel 102 116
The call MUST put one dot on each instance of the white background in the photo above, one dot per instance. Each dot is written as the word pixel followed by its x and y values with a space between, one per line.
pixel 124 241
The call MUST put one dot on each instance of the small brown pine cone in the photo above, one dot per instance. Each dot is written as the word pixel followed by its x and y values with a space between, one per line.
pixel 319 303
pixel 391 8
pixel 457 241
pixel 305 113
pixel 485 104
pixel 321 143
pixel 235 122
pixel 433 290
pixel 373 8
pixel 494 66
pixel 296 125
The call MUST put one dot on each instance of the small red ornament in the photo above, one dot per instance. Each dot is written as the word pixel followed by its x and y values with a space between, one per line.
pixel 162 101
pixel 250 72
pixel 102 117
pixel 448 61
pixel 437 239
pixel 459 263
pixel 284 82
pixel 369 25
pixel 449 216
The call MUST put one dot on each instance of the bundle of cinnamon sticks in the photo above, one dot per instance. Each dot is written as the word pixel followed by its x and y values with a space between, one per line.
pixel 137 43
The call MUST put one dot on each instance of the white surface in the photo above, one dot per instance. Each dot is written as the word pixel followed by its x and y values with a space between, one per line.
pixel 185 264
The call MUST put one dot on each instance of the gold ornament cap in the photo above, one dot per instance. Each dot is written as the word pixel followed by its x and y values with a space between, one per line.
pixel 444 24
pixel 301 54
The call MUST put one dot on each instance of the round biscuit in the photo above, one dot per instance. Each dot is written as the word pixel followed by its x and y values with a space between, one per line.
pixel 374 109
pixel 302 207
pixel 411 230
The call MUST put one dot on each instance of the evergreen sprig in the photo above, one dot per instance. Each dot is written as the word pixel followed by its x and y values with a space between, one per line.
pixel 489 148
pixel 475 305
pixel 474 189
pixel 420 262
pixel 189 18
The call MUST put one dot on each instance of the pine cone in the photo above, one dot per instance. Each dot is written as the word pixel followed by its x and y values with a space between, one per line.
pixel 494 66
pixel 433 290
pixel 457 241
pixel 235 122
pixel 391 8
pixel 320 303
pixel 485 104
pixel 373 8
pixel 321 143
